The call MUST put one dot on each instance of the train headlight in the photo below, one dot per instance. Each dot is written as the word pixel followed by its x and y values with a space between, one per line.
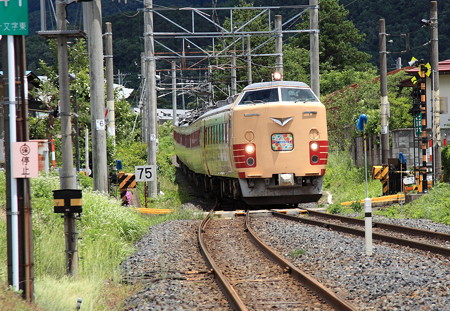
pixel 314 146
pixel 250 148
pixel 277 76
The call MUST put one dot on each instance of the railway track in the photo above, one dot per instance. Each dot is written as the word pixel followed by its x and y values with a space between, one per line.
pixel 437 242
pixel 241 265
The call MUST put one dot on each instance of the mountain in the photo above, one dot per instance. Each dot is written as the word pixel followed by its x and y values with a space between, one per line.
pixel 407 36
pixel 403 18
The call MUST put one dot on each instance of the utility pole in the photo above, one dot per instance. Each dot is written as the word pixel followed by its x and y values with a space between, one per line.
pixel 111 119
pixel 174 92
pixel 436 103
pixel 384 94
pixel 67 177
pixel 98 126
pixel 12 208
pixel 278 45
pixel 43 15
pixel 143 108
pixel 18 202
pixel 26 259
pixel 249 60
pixel 314 46
pixel 150 99
pixel 233 74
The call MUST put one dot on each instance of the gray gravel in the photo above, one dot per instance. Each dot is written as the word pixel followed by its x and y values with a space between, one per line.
pixel 172 272
pixel 393 278
pixel 424 224
pixel 174 276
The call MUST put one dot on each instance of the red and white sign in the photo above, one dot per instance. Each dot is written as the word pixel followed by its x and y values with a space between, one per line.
pixel 25 159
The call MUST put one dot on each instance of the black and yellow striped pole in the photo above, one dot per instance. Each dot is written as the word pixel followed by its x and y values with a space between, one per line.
pixel 423 109
pixel 420 80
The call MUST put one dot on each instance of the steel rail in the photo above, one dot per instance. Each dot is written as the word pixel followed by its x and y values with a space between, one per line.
pixel 233 297
pixel 382 237
pixel 382 225
pixel 323 292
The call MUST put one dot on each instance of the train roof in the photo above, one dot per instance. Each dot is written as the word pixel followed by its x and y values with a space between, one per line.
pixel 276 84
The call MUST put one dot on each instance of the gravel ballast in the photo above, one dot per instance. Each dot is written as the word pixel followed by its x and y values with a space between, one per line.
pixel 172 271
pixel 174 276
pixel 393 278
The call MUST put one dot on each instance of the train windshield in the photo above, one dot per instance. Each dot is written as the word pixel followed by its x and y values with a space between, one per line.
pixel 260 96
pixel 297 95
pixel 288 94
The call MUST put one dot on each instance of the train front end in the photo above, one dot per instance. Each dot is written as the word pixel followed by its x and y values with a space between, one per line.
pixel 280 143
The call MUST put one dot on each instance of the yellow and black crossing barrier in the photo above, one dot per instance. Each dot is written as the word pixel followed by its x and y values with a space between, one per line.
pixel 126 181
pixel 381 172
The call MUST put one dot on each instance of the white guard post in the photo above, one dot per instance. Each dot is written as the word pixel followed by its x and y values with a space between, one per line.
pixel 368 225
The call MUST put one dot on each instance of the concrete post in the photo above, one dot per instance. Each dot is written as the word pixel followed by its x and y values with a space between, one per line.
pixel 384 108
pixel 314 46
pixel 97 83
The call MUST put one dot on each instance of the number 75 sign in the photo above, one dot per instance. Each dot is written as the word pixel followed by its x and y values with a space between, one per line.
pixel 145 172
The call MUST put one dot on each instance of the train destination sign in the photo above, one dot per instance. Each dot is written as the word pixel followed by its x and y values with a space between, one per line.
pixel 14 17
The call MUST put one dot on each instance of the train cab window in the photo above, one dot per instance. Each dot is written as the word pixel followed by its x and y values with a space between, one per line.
pixel 298 95
pixel 260 97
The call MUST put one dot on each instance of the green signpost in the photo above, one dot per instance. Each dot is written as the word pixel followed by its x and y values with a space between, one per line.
pixel 14 17
pixel 418 124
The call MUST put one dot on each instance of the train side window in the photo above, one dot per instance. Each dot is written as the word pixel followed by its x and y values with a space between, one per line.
pixel 226 133
pixel 209 135
pixel 224 128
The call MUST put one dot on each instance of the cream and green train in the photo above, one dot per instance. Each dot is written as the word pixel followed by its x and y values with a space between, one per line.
pixel 267 145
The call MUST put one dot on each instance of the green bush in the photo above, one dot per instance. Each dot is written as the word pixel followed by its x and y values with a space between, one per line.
pixel 166 151
pixel 107 233
pixel 435 205
pixel 347 182
pixel 335 208
pixel 446 162
pixel 356 206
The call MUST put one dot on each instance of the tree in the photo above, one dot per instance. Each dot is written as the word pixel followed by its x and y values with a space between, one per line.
pixel 48 92
pixel 338 39
pixel 344 107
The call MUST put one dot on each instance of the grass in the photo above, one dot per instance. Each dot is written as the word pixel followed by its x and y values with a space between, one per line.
pixel 108 232
pixel 10 300
pixel 435 206
pixel 297 253
pixel 347 183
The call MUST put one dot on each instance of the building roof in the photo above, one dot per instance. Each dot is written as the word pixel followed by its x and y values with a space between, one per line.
pixel 444 68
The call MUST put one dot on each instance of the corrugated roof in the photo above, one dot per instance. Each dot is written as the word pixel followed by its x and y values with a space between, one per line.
pixel 444 67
